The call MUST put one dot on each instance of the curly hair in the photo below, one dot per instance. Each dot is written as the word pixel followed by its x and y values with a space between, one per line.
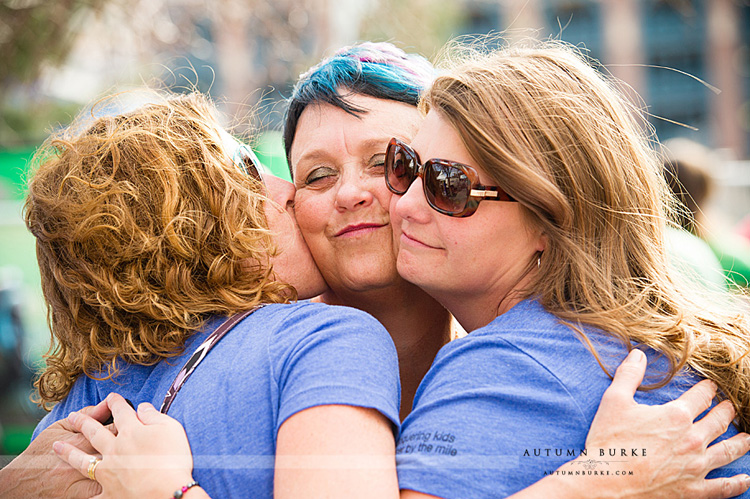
pixel 563 141
pixel 144 227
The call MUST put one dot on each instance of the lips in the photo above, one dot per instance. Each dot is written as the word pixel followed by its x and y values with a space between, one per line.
pixel 357 229
pixel 413 241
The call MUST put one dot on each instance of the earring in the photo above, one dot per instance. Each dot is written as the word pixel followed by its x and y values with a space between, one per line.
pixel 539 261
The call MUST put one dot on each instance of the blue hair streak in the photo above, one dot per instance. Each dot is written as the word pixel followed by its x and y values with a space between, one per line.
pixel 379 70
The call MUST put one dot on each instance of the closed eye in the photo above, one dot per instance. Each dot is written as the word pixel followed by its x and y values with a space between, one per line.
pixel 377 164
pixel 320 176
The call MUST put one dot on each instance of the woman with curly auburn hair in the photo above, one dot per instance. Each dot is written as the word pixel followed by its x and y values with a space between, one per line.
pixel 142 232
pixel 168 265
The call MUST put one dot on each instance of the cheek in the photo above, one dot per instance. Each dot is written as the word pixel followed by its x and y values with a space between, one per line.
pixel 395 219
pixel 470 248
pixel 381 192
pixel 312 211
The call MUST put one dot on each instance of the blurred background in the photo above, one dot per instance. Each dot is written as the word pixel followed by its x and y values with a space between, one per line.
pixel 688 60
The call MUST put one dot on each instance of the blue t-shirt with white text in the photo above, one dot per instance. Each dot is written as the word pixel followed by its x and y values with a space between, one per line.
pixel 278 361
pixel 511 402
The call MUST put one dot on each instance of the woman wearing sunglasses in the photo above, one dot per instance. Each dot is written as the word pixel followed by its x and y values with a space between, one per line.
pixel 531 206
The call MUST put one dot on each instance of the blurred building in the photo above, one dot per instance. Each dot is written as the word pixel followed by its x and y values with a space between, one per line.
pixel 664 49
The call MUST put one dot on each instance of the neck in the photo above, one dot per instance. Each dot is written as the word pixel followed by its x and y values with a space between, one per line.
pixel 476 310
pixel 418 324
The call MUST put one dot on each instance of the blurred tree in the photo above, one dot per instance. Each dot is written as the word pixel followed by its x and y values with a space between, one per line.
pixel 421 26
pixel 56 55
pixel 34 32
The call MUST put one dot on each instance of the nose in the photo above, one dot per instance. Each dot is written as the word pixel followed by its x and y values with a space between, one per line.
pixel 280 191
pixel 354 192
pixel 412 205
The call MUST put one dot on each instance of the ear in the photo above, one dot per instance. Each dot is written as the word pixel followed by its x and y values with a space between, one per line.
pixel 541 242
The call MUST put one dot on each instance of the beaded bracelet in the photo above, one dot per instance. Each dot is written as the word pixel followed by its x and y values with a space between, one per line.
pixel 179 492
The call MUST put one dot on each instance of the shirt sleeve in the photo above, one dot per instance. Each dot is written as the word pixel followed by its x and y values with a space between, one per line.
pixel 334 355
pixel 488 421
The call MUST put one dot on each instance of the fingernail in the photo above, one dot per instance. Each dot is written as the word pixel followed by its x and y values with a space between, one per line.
pixel 747 480
pixel 72 417
pixel 636 356
pixel 747 439
pixel 57 447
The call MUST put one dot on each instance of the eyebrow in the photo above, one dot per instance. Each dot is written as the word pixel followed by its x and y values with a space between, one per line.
pixel 375 142
pixel 315 154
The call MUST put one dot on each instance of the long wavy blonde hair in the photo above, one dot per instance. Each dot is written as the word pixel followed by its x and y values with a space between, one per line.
pixel 144 227
pixel 562 140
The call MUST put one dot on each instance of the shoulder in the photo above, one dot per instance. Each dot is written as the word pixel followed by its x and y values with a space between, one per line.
pixel 319 336
pixel 85 392
pixel 290 324
pixel 525 356
pixel 323 355
pixel 488 401
pixel 527 335
pixel 327 314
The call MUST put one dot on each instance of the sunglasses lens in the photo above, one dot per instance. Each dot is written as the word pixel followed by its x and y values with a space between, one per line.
pixel 400 169
pixel 247 160
pixel 447 187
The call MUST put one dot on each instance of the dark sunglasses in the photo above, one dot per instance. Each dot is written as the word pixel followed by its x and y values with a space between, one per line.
pixel 246 159
pixel 243 157
pixel 451 188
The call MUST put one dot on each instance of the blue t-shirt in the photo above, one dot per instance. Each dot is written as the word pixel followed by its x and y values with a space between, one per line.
pixel 280 360
pixel 510 403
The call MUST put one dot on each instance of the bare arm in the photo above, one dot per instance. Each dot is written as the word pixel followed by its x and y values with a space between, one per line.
pixel 326 451
pixel 336 451
pixel 678 457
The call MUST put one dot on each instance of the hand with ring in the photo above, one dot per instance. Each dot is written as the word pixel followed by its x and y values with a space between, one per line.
pixel 93 463
pixel 148 457
pixel 38 472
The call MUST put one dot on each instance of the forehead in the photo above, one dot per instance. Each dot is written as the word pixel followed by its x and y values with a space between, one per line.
pixel 438 139
pixel 326 130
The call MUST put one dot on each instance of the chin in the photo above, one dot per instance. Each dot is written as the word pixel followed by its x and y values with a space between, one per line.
pixel 311 289
pixel 413 273
pixel 363 279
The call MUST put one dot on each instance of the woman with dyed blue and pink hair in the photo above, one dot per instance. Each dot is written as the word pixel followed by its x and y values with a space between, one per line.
pixel 341 115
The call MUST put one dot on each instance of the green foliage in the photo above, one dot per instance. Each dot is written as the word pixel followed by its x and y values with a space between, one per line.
pixel 29 125
pixel 34 34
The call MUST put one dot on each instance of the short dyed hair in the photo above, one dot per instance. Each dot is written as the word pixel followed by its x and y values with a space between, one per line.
pixel 379 70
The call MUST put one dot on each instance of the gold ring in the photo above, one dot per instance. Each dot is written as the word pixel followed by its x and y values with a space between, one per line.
pixel 93 463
